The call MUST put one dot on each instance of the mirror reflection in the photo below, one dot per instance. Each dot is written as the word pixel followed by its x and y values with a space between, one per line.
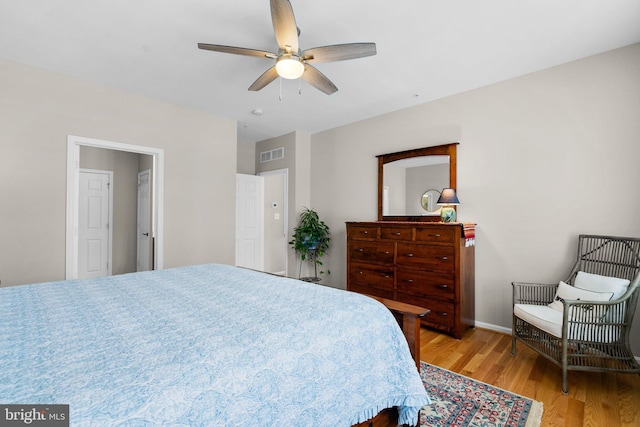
pixel 405 182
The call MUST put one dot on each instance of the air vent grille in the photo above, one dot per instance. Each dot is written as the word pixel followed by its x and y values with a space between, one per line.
pixel 271 155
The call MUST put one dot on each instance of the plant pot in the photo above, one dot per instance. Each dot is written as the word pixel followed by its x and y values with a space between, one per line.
pixel 310 242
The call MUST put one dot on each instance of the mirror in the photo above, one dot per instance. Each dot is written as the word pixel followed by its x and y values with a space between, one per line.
pixel 428 202
pixel 409 180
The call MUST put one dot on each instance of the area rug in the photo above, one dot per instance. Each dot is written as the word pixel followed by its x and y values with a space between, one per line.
pixel 459 401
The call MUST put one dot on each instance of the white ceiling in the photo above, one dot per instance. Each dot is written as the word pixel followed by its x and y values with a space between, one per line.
pixel 427 49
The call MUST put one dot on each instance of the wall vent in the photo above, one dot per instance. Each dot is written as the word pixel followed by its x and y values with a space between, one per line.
pixel 271 155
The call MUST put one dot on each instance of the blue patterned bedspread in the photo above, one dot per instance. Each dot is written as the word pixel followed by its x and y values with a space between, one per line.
pixel 209 345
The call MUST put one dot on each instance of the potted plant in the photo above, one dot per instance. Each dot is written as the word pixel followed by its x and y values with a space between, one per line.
pixel 311 240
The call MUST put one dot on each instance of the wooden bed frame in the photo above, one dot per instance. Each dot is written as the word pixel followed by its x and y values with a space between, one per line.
pixel 408 317
pixel 386 418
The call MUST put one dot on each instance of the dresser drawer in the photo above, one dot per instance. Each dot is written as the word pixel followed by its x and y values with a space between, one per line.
pixel 378 252
pixel 378 276
pixel 382 293
pixel 396 233
pixel 414 282
pixel 442 312
pixel 428 256
pixel 363 232
pixel 441 235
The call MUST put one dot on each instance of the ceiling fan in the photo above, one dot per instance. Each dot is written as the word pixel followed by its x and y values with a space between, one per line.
pixel 291 62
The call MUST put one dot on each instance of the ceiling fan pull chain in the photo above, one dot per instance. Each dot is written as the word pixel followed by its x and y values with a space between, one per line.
pixel 280 96
pixel 299 86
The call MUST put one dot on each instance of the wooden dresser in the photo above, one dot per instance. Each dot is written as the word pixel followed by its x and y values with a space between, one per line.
pixel 425 264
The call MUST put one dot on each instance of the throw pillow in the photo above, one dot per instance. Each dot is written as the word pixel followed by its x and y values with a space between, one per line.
pixel 568 292
pixel 598 283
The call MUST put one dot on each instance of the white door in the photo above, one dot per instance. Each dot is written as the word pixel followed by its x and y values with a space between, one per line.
pixel 249 221
pixel 144 221
pixel 94 217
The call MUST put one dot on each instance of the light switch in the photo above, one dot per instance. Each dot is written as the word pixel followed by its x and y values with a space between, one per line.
pixel 276 216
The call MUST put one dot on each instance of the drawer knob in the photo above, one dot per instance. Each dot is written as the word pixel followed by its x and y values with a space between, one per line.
pixel 442 286
pixel 365 232
pixel 360 272
pixel 443 314
pixel 409 280
pixel 434 235
pixel 398 233
pixel 360 250
pixel 386 276
pixel 444 258
pixel 409 255
pixel 386 252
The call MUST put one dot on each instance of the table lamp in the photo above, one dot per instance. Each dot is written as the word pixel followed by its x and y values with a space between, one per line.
pixel 448 199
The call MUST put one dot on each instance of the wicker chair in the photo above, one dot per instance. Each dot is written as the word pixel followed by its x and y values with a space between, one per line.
pixel 582 335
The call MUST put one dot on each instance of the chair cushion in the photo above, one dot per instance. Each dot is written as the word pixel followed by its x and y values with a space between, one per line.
pixel 550 320
pixel 541 316
pixel 598 283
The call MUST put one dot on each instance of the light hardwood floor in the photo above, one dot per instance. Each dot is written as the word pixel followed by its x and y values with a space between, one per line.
pixel 594 399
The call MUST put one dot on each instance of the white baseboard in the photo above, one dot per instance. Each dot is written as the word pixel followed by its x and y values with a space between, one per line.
pixel 491 327
pixel 507 331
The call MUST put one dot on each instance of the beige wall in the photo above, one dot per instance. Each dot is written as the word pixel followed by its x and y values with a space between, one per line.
pixel 246 158
pixel 542 158
pixel 39 109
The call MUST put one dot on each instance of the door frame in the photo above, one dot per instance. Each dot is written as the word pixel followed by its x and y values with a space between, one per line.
pixel 110 221
pixel 73 175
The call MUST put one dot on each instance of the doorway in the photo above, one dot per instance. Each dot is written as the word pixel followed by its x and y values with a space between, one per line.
pixel 74 143
pixel 262 221
pixel 276 217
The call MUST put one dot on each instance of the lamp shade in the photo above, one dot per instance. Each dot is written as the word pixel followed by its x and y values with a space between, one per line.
pixel 448 197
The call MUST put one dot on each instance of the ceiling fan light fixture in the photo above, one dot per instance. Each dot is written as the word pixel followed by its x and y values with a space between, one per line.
pixel 289 66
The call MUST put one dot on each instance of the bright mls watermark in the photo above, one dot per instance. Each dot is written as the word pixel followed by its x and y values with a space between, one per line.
pixel 34 415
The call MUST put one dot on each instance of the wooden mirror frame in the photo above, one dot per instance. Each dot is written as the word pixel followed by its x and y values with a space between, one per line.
pixel 437 150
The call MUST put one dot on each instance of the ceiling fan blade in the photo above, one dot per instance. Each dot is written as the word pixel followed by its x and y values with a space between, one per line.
pixel 267 77
pixel 318 80
pixel 284 25
pixel 339 52
pixel 237 50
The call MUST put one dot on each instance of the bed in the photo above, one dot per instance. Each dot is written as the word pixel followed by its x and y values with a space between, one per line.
pixel 206 345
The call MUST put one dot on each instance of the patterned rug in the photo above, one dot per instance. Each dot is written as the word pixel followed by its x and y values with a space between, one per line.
pixel 459 401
